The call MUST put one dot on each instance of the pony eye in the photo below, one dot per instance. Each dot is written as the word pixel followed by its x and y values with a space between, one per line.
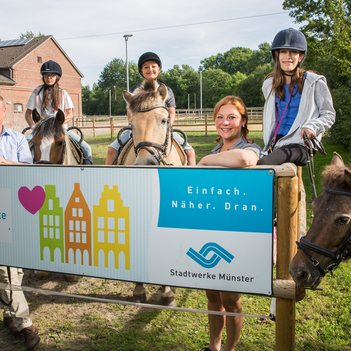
pixel 342 220
pixel 164 121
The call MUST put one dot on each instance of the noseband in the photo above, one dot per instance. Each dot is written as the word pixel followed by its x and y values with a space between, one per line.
pixel 338 256
pixel 161 150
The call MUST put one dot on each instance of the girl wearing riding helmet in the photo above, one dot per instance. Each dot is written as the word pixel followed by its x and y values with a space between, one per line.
pixel 149 66
pixel 297 102
pixel 49 97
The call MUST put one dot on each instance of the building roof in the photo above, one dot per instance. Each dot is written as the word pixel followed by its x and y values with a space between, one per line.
pixel 11 55
pixel 6 80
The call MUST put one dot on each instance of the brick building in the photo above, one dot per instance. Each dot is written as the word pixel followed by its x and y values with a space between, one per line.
pixel 20 62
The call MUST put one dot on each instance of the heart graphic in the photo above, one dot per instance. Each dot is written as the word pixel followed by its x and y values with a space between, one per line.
pixel 31 200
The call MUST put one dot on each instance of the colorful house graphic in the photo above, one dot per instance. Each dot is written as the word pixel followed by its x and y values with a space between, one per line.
pixel 77 225
pixel 51 224
pixel 111 227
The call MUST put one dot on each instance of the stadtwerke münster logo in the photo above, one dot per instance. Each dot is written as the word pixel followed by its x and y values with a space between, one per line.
pixel 218 253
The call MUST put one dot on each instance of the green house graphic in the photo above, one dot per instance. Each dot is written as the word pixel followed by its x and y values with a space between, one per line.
pixel 51 224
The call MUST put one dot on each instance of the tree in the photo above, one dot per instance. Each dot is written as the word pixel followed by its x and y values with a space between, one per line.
pixel 216 85
pixel 328 33
pixel 30 34
pixel 183 81
pixel 239 59
pixel 113 78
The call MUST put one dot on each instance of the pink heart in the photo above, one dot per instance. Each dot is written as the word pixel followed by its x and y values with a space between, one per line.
pixel 31 200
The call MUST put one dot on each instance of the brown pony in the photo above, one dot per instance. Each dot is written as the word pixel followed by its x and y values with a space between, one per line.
pixel 50 142
pixel 151 145
pixel 328 240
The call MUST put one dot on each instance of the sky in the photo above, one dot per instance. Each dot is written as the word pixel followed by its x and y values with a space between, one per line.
pixel 180 32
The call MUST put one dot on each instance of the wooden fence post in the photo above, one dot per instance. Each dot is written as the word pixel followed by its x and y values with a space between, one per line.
pixel 112 124
pixel 287 221
pixel 206 125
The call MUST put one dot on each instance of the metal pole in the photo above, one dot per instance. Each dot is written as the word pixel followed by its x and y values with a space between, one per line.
pixel 126 36
pixel 201 93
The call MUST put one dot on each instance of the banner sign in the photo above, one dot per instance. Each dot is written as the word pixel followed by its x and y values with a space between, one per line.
pixel 204 228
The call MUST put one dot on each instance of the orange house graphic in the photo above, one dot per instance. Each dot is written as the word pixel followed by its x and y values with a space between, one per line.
pixel 78 226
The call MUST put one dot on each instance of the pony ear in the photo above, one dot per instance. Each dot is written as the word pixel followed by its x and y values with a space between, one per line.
pixel 127 96
pixel 162 90
pixel 60 117
pixel 337 160
pixel 36 116
pixel 347 175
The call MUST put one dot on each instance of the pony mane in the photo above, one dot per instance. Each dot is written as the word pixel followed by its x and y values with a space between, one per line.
pixel 48 127
pixel 145 97
pixel 334 177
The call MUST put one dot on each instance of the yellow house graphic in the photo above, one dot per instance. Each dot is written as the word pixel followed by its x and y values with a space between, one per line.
pixel 111 227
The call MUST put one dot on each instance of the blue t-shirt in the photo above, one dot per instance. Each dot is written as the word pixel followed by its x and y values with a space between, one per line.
pixel 291 111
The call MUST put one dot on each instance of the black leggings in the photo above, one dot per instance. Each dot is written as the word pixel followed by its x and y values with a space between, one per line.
pixel 294 153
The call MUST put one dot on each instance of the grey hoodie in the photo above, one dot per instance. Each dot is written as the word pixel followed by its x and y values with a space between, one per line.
pixel 316 111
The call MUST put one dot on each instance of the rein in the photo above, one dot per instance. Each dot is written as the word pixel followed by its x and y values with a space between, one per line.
pixel 338 256
pixel 161 150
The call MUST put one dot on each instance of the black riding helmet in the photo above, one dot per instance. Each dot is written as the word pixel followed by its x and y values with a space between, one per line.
pixel 51 67
pixel 290 39
pixel 148 56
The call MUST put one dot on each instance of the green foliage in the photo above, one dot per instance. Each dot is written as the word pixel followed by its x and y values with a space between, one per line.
pixel 239 71
pixel 112 78
pixel 29 34
pixel 183 81
pixel 328 33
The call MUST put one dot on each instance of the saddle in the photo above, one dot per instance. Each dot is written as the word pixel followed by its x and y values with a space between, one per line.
pixel 76 151
pixel 124 151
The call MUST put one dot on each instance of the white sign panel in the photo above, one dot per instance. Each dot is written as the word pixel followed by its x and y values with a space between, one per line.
pixel 191 227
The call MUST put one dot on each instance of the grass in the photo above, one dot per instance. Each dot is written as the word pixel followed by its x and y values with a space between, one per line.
pixel 323 320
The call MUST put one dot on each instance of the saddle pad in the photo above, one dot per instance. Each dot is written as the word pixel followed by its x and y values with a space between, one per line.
pixel 123 154
pixel 181 152
pixel 76 151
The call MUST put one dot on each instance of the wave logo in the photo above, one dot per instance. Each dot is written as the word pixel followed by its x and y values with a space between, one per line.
pixel 218 254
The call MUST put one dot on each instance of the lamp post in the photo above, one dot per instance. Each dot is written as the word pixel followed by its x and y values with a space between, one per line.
pixel 201 69
pixel 126 36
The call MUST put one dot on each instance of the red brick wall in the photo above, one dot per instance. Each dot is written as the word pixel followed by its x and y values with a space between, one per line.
pixel 27 75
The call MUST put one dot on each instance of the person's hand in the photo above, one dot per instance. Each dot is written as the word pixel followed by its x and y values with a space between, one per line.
pixel 309 133
pixel 3 160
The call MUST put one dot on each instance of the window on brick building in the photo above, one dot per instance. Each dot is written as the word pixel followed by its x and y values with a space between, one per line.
pixel 39 59
pixel 18 107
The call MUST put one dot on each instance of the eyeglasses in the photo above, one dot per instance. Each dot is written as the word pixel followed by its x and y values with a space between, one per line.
pixel 47 75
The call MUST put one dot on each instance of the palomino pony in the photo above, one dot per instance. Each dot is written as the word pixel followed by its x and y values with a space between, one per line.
pixel 151 144
pixel 328 241
pixel 50 145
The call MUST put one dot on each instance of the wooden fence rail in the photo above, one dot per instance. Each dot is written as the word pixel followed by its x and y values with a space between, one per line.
pixel 187 120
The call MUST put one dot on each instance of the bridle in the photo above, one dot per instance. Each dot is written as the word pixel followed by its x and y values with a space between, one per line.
pixel 60 162
pixel 160 153
pixel 338 256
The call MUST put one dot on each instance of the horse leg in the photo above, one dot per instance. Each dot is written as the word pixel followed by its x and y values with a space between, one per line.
pixel 139 294
pixel 167 296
